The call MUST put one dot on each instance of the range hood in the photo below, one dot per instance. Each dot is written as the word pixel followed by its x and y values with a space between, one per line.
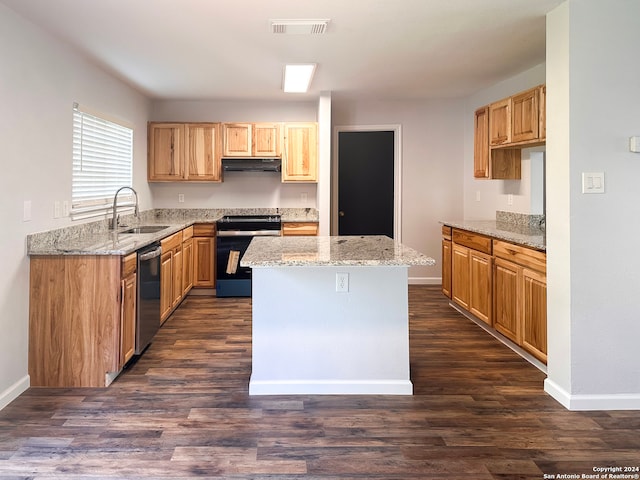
pixel 251 164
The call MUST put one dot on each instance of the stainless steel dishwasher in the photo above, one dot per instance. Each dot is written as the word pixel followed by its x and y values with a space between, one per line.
pixel 148 301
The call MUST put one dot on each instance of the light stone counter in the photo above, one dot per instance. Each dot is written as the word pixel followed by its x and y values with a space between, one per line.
pixel 377 250
pixel 95 238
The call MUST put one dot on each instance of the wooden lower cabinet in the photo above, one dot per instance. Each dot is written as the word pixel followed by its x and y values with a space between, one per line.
pixel 507 276
pixel 446 267
pixel 534 313
pixel 204 248
pixel 187 265
pixel 460 278
pixel 171 268
pixel 166 290
pixel 129 285
pixel 506 288
pixel 471 274
pixel 78 336
pixel 480 292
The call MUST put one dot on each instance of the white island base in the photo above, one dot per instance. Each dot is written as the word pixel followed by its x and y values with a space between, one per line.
pixel 310 339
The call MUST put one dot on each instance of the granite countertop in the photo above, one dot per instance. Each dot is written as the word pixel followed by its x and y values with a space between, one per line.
pixel 525 235
pixel 375 250
pixel 95 238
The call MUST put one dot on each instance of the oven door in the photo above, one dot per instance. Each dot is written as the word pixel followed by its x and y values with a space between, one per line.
pixel 232 280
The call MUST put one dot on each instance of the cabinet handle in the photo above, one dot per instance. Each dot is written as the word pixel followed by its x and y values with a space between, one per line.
pixel 341 213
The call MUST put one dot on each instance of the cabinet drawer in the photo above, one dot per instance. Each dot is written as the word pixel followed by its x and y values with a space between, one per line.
pixel 187 233
pixel 471 240
pixel 300 228
pixel 172 242
pixel 204 230
pixel 446 232
pixel 527 257
pixel 129 264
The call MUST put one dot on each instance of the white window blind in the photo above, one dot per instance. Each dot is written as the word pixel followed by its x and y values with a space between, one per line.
pixel 102 163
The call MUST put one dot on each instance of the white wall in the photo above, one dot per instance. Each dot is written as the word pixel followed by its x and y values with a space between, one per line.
pixel 239 189
pixel 527 193
pixel 432 167
pixel 593 271
pixel 39 81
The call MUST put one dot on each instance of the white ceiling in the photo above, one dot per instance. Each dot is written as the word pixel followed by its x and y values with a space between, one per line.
pixel 214 49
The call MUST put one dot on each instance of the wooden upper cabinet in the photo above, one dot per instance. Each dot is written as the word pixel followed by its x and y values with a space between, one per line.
pixel 266 140
pixel 500 122
pixel 166 152
pixel 237 140
pixel 481 143
pixel 525 123
pixel 300 155
pixel 542 105
pixel 251 139
pixel 203 152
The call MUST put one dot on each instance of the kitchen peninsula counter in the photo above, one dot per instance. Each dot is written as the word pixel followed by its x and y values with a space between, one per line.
pixel 330 315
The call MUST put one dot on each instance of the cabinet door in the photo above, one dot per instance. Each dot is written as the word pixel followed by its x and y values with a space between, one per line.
pixel 534 313
pixel 481 143
pixel 266 140
pixel 300 156
pixel 203 262
pixel 237 139
pixel 203 152
pixel 187 266
pixel 128 319
pixel 500 122
pixel 166 152
pixel 542 130
pixel 506 315
pixel 480 298
pixel 524 116
pixel 166 284
pixel 460 279
pixel 446 267
pixel 176 294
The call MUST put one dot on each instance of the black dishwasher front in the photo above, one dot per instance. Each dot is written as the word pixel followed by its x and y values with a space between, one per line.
pixel 148 301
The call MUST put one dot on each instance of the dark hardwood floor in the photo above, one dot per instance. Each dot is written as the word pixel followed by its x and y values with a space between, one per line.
pixel 479 412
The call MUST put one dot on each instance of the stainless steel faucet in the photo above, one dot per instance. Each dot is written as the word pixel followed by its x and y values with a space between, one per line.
pixel 114 220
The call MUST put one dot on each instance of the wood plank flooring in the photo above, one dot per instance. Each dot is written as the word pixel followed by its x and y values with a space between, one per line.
pixel 183 411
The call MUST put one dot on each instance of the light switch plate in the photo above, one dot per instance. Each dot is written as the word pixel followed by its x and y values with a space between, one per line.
pixel 592 182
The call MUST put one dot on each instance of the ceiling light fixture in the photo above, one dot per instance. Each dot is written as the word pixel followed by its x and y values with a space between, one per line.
pixel 297 77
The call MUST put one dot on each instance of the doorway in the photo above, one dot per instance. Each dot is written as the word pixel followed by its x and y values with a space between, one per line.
pixel 366 197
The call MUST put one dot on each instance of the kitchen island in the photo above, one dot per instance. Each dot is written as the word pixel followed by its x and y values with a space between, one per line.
pixel 330 315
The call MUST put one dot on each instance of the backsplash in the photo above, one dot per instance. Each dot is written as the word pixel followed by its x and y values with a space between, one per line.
pixel 521 219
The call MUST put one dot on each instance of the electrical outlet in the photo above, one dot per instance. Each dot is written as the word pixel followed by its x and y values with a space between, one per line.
pixel 181 198
pixel 510 199
pixel 56 209
pixel 303 197
pixel 342 282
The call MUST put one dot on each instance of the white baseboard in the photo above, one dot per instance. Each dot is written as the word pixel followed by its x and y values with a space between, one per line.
pixel 425 280
pixel 614 401
pixel 14 391
pixel 330 387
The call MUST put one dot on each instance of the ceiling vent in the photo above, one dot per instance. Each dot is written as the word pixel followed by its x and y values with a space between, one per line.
pixel 299 27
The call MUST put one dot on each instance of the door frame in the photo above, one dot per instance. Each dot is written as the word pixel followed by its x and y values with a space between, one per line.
pixel 397 172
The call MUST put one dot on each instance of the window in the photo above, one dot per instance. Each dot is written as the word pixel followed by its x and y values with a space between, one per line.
pixel 102 163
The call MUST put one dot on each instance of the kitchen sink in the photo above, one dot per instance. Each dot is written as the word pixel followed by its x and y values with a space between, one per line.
pixel 146 229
